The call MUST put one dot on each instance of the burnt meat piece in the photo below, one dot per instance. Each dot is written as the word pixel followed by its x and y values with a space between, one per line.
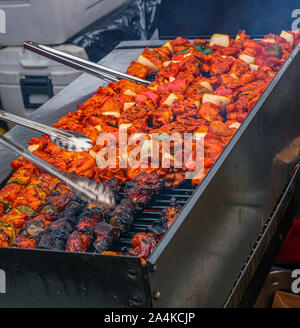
pixel 24 242
pixel 143 245
pixel 78 242
pixel 59 200
pixel 122 215
pixel 106 235
pixel 32 228
pixel 47 240
pixel 167 217
pixel 113 185
pixel 144 187
pixel 95 214
pixel 61 229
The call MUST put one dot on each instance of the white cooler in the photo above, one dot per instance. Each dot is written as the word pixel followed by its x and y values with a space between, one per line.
pixel 28 80
pixel 51 21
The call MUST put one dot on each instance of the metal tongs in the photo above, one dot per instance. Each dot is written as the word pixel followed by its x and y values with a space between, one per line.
pixel 89 190
pixel 66 139
pixel 105 73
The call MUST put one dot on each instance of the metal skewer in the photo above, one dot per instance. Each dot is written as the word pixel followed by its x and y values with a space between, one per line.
pixel 89 190
pixel 66 139
pixel 103 72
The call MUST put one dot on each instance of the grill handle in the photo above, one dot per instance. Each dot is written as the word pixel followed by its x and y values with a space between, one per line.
pixel 105 73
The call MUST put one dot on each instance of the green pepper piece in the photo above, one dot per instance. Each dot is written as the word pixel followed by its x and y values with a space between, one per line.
pixel 13 181
pixel 5 204
pixel 183 51
pixel 25 210
pixel 201 48
pixel 11 226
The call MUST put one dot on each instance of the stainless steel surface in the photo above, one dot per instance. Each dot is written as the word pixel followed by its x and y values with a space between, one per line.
pixel 89 190
pixel 211 240
pixel 213 236
pixel 68 140
pixel 258 254
pixel 106 73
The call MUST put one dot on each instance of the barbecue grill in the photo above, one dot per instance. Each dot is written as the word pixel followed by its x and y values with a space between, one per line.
pixel 210 253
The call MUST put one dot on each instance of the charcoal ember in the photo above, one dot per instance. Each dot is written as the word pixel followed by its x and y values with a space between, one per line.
pixel 32 228
pixel 144 187
pixel 106 235
pixel 122 215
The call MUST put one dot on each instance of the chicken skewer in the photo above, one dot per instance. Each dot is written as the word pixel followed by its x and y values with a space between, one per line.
pixel 106 73
pixel 66 139
pixel 87 189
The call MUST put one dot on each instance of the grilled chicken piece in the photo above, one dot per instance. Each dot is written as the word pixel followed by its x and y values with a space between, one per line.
pixel 138 70
pixel 9 193
pixel 106 235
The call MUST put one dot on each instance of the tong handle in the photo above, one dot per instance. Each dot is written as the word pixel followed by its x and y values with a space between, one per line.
pixel 105 73
pixel 39 127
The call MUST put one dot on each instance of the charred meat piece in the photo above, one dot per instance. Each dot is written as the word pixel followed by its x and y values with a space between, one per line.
pixel 50 212
pixel 80 239
pixel 47 240
pixel 122 215
pixel 143 245
pixel 78 242
pixel 94 214
pixel 32 228
pixel 61 229
pixel 24 242
pixel 114 186
pixel 59 199
pixel 144 187
pixel 168 216
pixel 106 235
pixel 73 209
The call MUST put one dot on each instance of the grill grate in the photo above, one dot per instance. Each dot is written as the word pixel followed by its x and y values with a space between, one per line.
pixel 151 212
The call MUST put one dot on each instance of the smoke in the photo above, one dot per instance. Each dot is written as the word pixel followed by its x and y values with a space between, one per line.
pixel 192 18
